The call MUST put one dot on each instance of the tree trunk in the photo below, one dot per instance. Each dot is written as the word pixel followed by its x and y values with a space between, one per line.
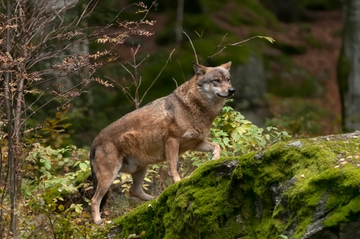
pixel 11 145
pixel 348 67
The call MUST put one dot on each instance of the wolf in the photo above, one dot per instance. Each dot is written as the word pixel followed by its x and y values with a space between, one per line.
pixel 160 131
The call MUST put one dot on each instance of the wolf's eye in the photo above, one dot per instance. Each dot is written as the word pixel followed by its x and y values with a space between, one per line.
pixel 216 81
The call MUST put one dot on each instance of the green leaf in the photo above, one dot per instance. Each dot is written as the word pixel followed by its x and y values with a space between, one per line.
pixel 83 166
pixel 78 209
pixel 117 181
pixel 61 208
pixel 47 165
pixel 66 125
pixel 270 39
pixel 226 141
pixel 283 237
pixel 58 115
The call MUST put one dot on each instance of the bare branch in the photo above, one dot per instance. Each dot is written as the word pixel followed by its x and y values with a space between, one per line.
pixel 223 47
pixel 176 84
pixel 219 45
pixel 157 77
pixel 48 102
pixel 192 45
pixel 88 9
pixel 34 102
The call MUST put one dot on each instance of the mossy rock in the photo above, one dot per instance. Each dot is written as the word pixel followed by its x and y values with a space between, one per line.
pixel 297 189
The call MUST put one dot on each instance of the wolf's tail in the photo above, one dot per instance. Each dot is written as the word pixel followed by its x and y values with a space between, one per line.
pixel 94 177
pixel 93 174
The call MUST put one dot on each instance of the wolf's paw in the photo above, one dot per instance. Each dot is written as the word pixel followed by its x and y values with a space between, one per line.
pixel 98 222
pixel 176 178
pixel 216 152
pixel 141 195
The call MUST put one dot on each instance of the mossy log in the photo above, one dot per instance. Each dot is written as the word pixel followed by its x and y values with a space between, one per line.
pixel 306 188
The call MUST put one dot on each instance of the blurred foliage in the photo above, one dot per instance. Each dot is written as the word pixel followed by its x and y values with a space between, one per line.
pixel 320 4
pixel 291 80
pixel 302 118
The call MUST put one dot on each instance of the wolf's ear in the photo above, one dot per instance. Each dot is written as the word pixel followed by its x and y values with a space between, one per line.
pixel 199 69
pixel 226 65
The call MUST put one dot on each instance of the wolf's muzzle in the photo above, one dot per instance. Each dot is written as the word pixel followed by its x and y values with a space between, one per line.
pixel 231 91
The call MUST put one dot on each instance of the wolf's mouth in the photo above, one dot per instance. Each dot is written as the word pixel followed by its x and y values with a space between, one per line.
pixel 224 96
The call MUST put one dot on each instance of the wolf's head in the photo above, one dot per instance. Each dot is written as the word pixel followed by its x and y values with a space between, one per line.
pixel 214 82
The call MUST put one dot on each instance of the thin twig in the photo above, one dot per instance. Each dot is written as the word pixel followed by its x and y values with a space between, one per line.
pixel 219 45
pixel 196 58
pixel 176 84
pixel 157 77
pixel 236 44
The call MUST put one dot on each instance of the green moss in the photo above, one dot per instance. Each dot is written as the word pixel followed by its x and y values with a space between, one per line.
pixel 301 228
pixel 343 213
pixel 259 198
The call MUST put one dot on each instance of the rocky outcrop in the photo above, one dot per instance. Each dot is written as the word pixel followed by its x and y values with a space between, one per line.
pixel 308 188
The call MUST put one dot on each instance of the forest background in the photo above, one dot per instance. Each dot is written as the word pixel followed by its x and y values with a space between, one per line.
pixel 69 68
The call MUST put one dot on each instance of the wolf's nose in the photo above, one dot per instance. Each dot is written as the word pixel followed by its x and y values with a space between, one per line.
pixel 231 91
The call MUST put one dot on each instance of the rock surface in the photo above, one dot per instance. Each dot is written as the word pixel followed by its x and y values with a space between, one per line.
pixel 306 188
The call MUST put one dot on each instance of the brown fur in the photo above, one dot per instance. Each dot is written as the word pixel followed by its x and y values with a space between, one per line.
pixel 159 131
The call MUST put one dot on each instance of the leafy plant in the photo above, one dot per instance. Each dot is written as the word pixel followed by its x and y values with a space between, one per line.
pixel 51 194
pixel 237 136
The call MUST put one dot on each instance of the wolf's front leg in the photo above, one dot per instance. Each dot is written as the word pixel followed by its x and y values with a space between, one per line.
pixel 172 154
pixel 207 146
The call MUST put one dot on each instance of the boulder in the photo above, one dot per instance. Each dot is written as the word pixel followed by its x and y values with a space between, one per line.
pixel 305 188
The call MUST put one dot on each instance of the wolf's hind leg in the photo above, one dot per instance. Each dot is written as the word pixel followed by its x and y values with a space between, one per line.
pixel 207 146
pixel 105 174
pixel 136 188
